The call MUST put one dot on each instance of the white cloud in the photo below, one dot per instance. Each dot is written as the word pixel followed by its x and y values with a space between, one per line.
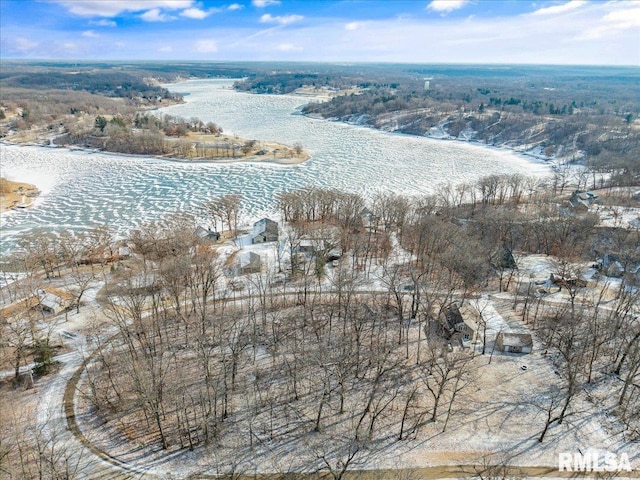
pixel 112 8
pixel 196 13
pixel 597 33
pixel 69 46
pixel 555 9
pixel 166 49
pixel 289 47
pixel 103 23
pixel 506 39
pixel 614 22
pixel 235 6
pixel 155 15
pixel 206 46
pixel 353 26
pixel 90 34
pixel 282 20
pixel 446 6
pixel 264 3
pixel 120 44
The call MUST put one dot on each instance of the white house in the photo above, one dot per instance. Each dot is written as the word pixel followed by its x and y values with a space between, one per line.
pixel 510 342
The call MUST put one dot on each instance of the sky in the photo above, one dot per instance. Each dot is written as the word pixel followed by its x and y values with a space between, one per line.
pixel 565 32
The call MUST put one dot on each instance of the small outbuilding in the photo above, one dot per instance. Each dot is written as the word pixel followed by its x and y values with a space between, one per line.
pixel 249 262
pixel 265 230
pixel 511 342
pixel 306 246
pixel 54 301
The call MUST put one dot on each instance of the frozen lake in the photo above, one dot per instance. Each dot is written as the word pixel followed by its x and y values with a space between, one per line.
pixel 83 190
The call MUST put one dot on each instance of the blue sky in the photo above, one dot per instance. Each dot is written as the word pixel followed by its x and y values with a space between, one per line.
pixel 416 31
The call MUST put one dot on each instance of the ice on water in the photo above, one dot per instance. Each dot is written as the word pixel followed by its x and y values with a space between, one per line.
pixel 83 190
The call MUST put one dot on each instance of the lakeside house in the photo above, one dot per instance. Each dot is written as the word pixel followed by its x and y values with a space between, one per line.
pixel 49 300
pixel 368 219
pixel 207 234
pixel 581 201
pixel 54 300
pixel 264 230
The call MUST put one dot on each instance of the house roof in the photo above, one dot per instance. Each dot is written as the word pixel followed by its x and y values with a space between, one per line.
pixel 202 232
pixel 54 297
pixel 452 315
pixel 248 258
pixel 57 292
pixel 265 225
pixel 306 243
pixel 513 339
pixel 586 195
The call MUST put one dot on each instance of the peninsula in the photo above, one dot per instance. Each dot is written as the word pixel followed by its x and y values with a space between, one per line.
pixel 108 109
pixel 16 194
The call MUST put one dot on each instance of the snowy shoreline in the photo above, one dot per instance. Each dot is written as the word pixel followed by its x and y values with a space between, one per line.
pixel 527 154
pixel 520 150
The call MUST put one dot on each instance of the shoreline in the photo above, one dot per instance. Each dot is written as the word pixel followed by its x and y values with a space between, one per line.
pixel 17 195
pixel 270 151
pixel 294 160
pixel 526 154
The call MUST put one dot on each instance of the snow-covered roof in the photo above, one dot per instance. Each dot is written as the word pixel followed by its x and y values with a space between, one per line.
pixel 265 225
pixel 248 258
pixel 513 339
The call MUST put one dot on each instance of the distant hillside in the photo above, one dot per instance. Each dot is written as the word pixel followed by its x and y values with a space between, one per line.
pixel 584 114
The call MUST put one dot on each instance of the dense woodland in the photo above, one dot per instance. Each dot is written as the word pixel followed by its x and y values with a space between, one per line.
pixel 104 106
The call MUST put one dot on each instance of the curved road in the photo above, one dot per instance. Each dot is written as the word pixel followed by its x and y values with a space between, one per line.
pixel 57 417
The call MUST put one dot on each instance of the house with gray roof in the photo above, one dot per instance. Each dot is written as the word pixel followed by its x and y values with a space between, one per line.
pixel 264 230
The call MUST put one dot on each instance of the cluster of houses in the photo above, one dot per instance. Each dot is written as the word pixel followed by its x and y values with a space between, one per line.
pixel 266 231
pixel 459 325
